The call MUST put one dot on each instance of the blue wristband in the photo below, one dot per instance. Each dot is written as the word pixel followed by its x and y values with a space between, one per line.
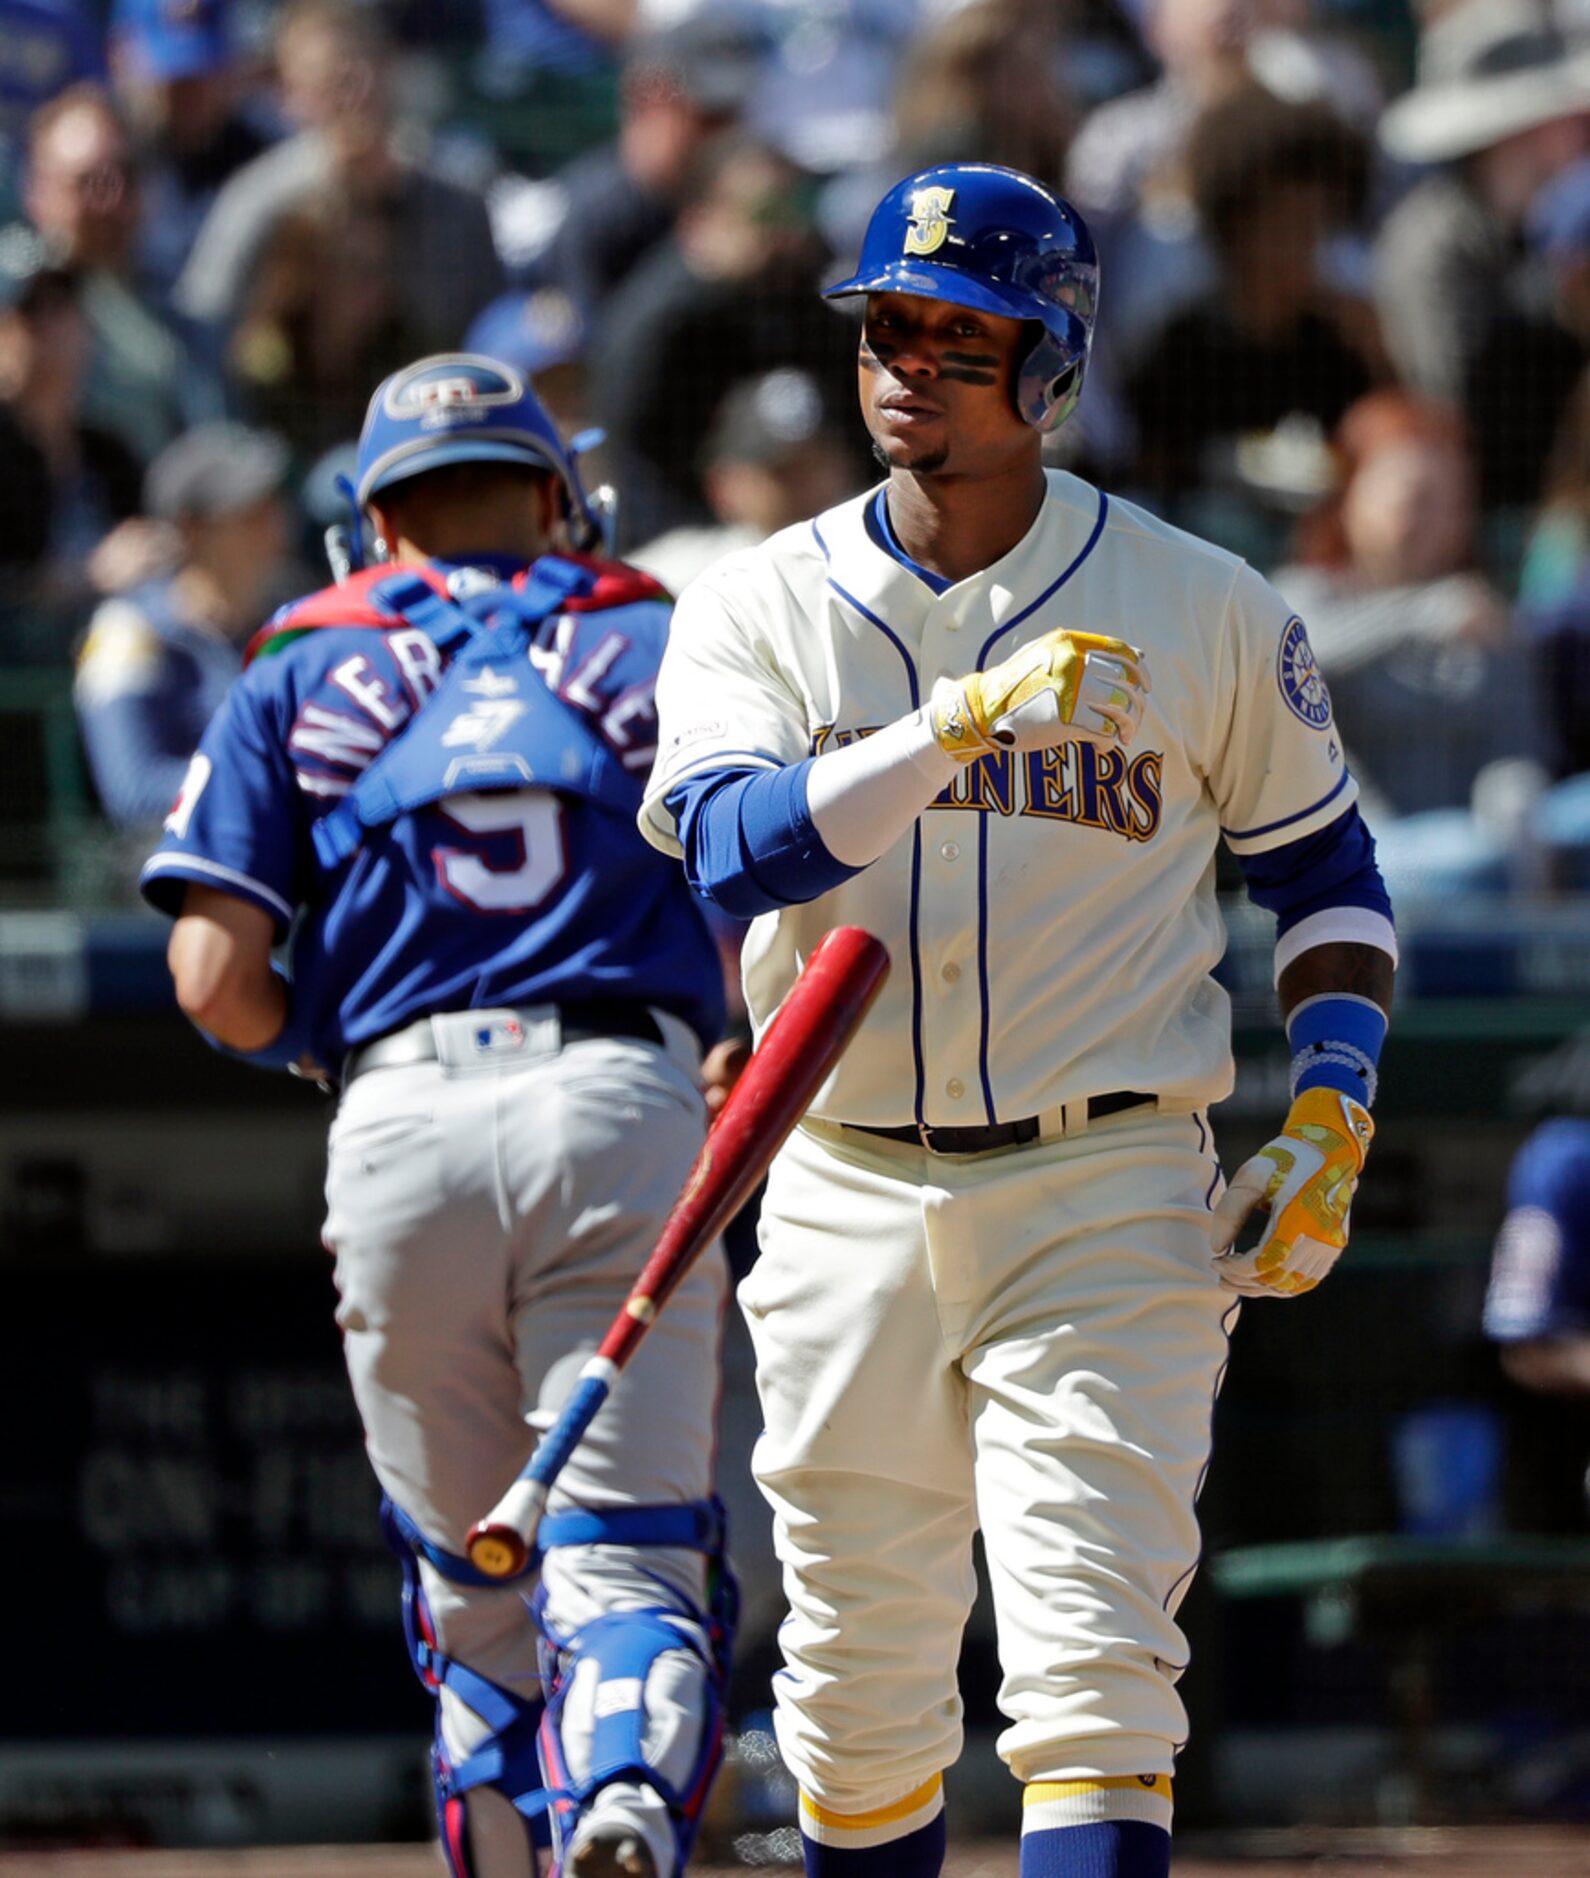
pixel 1336 1040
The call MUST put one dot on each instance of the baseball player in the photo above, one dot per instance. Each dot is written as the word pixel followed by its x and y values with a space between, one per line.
pixel 991 1291
pixel 1537 1306
pixel 428 777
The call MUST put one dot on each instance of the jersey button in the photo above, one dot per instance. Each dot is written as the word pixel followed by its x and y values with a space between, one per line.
pixel 951 851
pixel 955 1088
pixel 951 972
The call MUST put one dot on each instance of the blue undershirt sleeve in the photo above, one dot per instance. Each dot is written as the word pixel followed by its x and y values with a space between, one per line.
pixel 1331 868
pixel 749 841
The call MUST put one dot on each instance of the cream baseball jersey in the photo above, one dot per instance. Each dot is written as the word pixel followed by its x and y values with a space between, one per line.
pixel 1051 916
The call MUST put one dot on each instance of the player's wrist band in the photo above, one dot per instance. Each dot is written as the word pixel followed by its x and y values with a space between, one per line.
pixel 1336 1040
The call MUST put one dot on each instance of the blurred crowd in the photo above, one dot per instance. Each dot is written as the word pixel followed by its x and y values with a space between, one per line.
pixel 1344 323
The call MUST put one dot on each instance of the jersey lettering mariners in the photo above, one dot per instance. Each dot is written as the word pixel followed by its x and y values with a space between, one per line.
pixel 489 897
pixel 1094 868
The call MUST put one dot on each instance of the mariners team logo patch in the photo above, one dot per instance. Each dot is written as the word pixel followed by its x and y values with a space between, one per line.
pixel 929 226
pixel 1302 684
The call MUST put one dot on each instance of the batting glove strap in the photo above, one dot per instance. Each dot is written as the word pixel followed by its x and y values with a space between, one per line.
pixel 1063 685
pixel 1305 1179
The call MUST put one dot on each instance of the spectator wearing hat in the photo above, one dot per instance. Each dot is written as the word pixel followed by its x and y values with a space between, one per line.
pixel 542 332
pixel 1501 105
pixel 84 195
pixel 45 45
pixel 353 161
pixel 158 659
pixel 68 525
pixel 174 71
pixel 772 457
pixel 680 87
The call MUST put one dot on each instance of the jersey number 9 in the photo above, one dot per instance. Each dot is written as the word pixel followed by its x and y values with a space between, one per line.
pixel 529 825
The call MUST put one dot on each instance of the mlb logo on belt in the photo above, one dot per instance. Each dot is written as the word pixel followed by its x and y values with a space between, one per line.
pixel 499 1035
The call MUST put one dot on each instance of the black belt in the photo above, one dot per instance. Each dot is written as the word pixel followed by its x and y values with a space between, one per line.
pixel 579 1020
pixel 998 1134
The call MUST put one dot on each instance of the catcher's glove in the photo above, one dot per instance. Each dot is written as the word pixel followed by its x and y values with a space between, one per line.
pixel 1305 1178
pixel 1063 685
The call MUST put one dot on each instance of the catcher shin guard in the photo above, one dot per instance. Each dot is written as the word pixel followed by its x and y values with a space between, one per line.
pixel 507 1758
pixel 636 1702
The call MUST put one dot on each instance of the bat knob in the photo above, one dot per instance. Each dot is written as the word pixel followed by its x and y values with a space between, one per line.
pixel 496 1550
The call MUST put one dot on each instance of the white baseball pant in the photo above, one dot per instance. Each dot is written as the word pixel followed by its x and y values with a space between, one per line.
pixel 1030 1341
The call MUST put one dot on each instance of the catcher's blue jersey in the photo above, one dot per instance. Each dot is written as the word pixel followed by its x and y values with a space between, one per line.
pixel 486 898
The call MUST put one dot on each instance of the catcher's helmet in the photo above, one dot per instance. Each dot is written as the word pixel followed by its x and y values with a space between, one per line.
pixel 977 235
pixel 461 407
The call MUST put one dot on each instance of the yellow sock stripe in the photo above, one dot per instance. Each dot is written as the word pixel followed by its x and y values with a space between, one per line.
pixel 1052 1805
pixel 882 1825
pixel 1038 1791
pixel 879 1816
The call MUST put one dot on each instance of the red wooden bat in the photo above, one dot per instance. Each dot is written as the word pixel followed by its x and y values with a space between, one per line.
pixel 805 1040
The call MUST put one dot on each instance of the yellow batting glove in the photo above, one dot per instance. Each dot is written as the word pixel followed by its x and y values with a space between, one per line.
pixel 1063 685
pixel 1305 1178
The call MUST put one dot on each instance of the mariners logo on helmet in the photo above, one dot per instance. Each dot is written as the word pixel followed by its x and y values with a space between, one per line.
pixel 930 220
pixel 1010 247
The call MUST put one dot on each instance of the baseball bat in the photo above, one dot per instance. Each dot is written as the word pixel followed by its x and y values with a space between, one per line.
pixel 805 1040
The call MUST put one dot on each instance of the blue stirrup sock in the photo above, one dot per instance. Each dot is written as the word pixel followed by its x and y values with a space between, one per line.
pixel 902 1840
pixel 1116 1828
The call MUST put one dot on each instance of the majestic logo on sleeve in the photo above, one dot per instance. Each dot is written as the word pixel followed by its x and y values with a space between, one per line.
pixel 1302 684
pixel 930 220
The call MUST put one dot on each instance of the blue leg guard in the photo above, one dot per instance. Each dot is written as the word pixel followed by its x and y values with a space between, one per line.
pixel 523 1755
pixel 508 1758
pixel 636 1696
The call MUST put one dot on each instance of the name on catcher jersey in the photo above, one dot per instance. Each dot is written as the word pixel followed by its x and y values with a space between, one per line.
pixel 490 896
pixel 1051 917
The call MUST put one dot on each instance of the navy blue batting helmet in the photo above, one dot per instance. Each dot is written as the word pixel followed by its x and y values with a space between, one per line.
pixel 981 236
pixel 462 407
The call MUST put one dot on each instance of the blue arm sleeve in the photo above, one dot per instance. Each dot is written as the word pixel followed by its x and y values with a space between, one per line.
pixel 1334 867
pixel 750 845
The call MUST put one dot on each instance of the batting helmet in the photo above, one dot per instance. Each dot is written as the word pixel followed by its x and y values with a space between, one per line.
pixel 980 236
pixel 461 407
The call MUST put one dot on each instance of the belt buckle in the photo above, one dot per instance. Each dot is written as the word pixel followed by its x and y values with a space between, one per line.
pixel 925 1136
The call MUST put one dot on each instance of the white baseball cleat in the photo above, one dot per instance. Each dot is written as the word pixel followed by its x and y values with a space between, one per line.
pixel 611 1849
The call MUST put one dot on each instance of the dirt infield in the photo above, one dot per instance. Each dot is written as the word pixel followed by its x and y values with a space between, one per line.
pixel 1429 1853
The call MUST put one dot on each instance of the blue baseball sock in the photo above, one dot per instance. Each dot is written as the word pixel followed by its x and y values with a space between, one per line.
pixel 852 1845
pixel 1102 1828
pixel 1119 1848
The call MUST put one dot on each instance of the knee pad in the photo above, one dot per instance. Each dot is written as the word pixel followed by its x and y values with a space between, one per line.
pixel 508 1758
pixel 637 1696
